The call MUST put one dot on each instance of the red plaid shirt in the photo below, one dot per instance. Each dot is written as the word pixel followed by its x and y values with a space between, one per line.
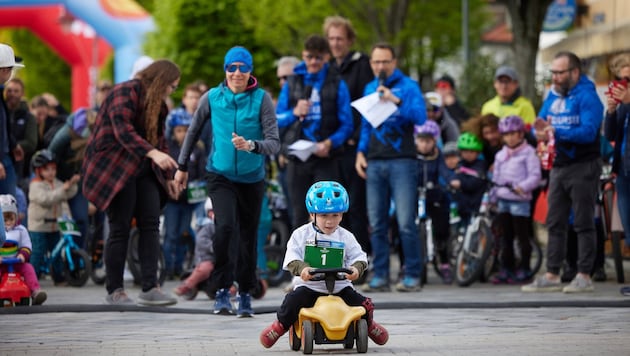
pixel 118 144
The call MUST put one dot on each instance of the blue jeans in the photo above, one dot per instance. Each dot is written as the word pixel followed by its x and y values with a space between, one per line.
pixel 623 202
pixel 43 243
pixel 9 183
pixel 79 208
pixel 396 180
pixel 177 217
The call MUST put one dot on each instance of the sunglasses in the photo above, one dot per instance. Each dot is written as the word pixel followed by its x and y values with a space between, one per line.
pixel 244 68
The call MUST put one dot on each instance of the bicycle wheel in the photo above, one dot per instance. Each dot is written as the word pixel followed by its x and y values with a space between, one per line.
pixel 536 259
pixel 615 239
pixel 77 267
pixel 472 258
pixel 133 260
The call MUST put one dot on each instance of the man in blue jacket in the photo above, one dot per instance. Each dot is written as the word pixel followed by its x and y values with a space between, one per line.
pixel 314 105
pixel 574 113
pixel 386 158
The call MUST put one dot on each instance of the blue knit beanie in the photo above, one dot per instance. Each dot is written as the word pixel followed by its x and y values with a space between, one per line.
pixel 238 54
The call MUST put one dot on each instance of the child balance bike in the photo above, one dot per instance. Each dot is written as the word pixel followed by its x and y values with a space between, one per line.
pixel 13 290
pixel 330 320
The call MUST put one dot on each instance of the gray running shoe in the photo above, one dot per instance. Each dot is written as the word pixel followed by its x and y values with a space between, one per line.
pixel 118 297
pixel 542 284
pixel 579 284
pixel 155 297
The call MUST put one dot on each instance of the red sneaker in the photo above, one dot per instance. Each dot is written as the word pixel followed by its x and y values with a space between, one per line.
pixel 271 334
pixel 378 333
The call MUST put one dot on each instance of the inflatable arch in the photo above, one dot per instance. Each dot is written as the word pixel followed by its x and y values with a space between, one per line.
pixel 119 24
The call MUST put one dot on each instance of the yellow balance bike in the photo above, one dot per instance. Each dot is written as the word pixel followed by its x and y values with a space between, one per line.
pixel 330 320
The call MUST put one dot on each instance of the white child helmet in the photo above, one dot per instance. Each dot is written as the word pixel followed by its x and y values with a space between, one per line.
pixel 8 204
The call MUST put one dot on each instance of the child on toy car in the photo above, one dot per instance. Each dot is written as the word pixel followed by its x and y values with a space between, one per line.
pixel 18 244
pixel 326 202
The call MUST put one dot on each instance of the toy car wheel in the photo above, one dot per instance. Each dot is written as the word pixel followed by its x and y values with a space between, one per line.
pixel 307 337
pixel 362 336
pixel 7 303
pixel 348 342
pixel 294 339
pixel 24 302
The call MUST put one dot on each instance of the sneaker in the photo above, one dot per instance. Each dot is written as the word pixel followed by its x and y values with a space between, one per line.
pixel 542 284
pixel 222 304
pixel 377 284
pixel 409 284
pixel 625 291
pixel 579 285
pixel 244 306
pixel 503 277
pixel 600 275
pixel 155 297
pixel 118 297
pixel 271 334
pixel 39 297
pixel 378 333
pixel 446 273
pixel 185 292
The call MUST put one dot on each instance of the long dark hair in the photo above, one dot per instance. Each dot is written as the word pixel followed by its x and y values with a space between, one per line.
pixel 156 78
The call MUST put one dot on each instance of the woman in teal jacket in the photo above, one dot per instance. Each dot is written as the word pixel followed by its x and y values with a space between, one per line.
pixel 243 129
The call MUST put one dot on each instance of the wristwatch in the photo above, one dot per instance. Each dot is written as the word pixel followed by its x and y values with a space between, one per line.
pixel 252 145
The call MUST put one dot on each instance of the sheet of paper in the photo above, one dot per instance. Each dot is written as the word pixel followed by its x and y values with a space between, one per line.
pixel 302 149
pixel 373 109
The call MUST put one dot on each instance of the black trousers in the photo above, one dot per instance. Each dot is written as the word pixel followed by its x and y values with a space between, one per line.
pixel 142 198
pixel 236 215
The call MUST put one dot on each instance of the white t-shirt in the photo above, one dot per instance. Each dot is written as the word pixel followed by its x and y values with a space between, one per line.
pixel 308 234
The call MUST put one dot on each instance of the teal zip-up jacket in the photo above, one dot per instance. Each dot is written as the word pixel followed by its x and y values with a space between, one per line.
pixel 249 114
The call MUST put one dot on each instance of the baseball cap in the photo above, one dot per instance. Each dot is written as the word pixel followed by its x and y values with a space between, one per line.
pixel 7 57
pixel 506 71
pixel 446 82
pixel 433 98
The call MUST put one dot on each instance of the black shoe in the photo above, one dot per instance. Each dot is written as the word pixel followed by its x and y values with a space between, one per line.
pixel 568 275
pixel 599 275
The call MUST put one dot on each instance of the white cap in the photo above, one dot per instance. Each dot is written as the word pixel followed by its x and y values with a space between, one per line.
pixel 141 63
pixel 434 98
pixel 7 57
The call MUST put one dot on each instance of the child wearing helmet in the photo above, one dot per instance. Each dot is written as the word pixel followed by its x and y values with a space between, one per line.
pixel 451 155
pixel 18 244
pixel 204 256
pixel 48 201
pixel 469 176
pixel 434 175
pixel 178 212
pixel 517 166
pixel 326 201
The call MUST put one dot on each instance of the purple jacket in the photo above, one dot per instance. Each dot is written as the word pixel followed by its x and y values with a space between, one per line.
pixel 519 167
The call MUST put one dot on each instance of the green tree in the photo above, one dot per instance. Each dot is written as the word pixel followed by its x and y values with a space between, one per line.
pixel 196 34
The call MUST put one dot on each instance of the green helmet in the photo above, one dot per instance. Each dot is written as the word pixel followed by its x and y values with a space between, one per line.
pixel 468 141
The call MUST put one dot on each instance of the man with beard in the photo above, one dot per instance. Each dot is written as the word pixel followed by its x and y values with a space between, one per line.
pixel 573 112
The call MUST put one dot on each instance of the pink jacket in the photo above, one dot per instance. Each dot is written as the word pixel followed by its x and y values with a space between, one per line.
pixel 519 167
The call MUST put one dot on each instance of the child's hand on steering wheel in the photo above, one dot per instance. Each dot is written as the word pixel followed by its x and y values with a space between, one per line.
pixel 354 275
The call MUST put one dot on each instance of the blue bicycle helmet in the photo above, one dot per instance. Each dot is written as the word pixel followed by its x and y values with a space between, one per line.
pixel 327 197
pixel 179 117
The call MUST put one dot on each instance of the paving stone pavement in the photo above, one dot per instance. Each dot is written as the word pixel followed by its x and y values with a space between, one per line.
pixel 440 320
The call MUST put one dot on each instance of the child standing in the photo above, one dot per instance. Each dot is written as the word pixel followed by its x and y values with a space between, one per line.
pixel 48 201
pixel 517 166
pixel 469 177
pixel 326 201
pixel 18 244
pixel 433 175
pixel 204 256
pixel 178 213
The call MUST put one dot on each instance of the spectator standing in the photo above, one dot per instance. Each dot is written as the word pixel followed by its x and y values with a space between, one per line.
pixel 445 86
pixel 573 113
pixel 386 158
pixel 10 150
pixel 244 129
pixel 127 174
pixel 449 129
pixel 314 105
pixel 509 99
pixel 617 129
pixel 23 125
pixel 354 68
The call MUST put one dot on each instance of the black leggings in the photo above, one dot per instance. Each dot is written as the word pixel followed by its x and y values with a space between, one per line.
pixel 142 198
